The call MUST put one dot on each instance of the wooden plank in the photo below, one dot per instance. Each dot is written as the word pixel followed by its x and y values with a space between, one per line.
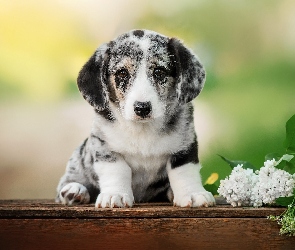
pixel 49 209
pixel 136 233
pixel 43 224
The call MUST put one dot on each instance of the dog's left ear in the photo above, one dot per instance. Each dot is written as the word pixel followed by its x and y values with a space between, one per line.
pixel 190 73
pixel 92 79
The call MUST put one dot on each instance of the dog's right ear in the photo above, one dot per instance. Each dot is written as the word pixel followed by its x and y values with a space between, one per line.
pixel 92 79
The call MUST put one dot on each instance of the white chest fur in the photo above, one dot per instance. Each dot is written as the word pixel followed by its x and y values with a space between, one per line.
pixel 142 139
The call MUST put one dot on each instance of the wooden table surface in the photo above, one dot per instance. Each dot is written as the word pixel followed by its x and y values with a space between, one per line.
pixel 43 224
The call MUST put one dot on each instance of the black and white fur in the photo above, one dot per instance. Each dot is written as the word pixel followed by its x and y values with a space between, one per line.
pixel 142 146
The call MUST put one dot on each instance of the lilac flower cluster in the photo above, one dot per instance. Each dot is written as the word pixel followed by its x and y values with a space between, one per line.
pixel 245 188
pixel 237 188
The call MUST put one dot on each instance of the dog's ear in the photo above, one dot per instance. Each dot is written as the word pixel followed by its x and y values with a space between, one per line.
pixel 190 73
pixel 92 79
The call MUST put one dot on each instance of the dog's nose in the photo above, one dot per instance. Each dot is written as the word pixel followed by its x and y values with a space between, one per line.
pixel 142 109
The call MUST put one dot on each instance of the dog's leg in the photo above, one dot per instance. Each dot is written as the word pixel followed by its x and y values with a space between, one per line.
pixel 114 183
pixel 75 187
pixel 187 186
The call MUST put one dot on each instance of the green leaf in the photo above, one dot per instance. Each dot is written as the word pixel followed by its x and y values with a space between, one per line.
pixel 233 164
pixel 290 168
pixel 284 201
pixel 271 156
pixel 287 157
pixel 281 165
pixel 285 163
pixel 290 134
pixel 211 188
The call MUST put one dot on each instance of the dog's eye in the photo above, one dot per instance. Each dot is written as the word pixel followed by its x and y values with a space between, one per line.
pixel 122 78
pixel 123 74
pixel 160 73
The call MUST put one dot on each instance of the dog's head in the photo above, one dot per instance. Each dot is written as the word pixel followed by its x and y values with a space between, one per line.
pixel 143 73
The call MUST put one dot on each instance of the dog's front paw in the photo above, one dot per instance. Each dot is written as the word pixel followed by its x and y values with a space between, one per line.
pixel 197 199
pixel 74 193
pixel 114 200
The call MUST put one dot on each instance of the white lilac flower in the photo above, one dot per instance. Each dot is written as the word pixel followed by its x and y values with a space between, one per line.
pixel 272 183
pixel 237 188
pixel 270 163
pixel 245 188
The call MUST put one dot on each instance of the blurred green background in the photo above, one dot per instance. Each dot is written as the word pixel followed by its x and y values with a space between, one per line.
pixel 247 47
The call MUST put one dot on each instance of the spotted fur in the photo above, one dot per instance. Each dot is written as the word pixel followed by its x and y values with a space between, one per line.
pixel 142 146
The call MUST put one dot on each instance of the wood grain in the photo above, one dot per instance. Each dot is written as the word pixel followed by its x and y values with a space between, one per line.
pixel 46 225
pixel 49 209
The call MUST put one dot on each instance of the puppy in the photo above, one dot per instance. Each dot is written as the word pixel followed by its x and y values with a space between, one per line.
pixel 143 146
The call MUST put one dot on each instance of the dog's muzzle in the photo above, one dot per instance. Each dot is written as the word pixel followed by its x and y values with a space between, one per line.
pixel 142 109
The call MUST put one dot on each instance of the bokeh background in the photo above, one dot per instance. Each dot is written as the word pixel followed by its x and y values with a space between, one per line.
pixel 247 47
